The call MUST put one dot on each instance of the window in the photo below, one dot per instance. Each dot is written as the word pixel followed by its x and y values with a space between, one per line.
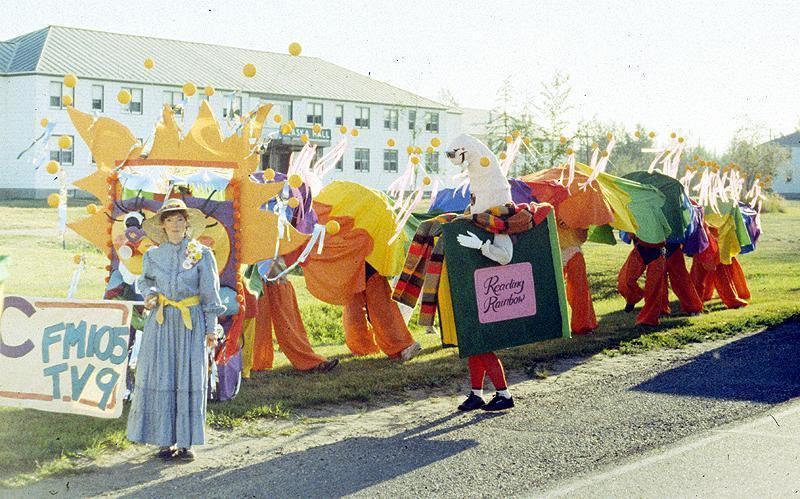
pixel 282 108
pixel 362 117
pixel 390 118
pixel 174 100
pixel 233 107
pixel 362 160
pixel 412 120
pixel 339 115
pixel 57 90
pixel 97 98
pixel 313 113
pixel 65 157
pixel 390 160
pixel 135 105
pixel 432 122
pixel 340 165
pixel 432 162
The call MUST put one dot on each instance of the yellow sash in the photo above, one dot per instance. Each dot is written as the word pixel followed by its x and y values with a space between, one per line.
pixel 182 305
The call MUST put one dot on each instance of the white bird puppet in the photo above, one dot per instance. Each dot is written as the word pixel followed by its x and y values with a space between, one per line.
pixel 489 188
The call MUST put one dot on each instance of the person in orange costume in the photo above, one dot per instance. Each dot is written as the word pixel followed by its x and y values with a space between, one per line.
pixel 650 258
pixel 739 280
pixel 372 321
pixel 680 282
pixel 278 313
pixel 708 274
pixel 579 297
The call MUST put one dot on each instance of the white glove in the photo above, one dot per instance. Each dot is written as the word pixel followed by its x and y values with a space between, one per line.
pixel 470 241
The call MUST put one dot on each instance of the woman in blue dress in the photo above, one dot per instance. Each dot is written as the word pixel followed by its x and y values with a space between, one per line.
pixel 181 287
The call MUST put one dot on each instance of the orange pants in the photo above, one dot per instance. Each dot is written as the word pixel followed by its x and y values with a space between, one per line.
pixel 579 296
pixel 278 313
pixel 739 280
pixel 682 285
pixel 373 322
pixel 654 286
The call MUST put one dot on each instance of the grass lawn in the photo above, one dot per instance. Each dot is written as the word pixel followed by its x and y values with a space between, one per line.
pixel 36 443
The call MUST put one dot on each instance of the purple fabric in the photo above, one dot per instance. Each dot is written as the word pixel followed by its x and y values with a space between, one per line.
pixel 230 377
pixel 453 201
pixel 696 237
pixel 752 223
pixel 303 219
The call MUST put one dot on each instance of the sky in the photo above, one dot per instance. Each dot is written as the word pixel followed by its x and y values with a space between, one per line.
pixel 700 68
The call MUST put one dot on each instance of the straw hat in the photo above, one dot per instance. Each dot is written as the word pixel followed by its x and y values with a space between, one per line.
pixel 154 228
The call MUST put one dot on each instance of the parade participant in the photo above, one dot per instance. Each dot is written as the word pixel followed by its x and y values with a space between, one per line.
pixel 278 314
pixel 649 258
pixel 180 282
pixel 579 296
pixel 680 282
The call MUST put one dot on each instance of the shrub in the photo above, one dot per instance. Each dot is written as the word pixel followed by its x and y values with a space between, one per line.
pixel 774 203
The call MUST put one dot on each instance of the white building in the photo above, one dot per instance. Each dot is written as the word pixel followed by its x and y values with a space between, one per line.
pixel 787 181
pixel 307 90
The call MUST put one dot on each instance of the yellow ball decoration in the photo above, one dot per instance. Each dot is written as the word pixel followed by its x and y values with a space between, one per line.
pixel 70 80
pixel 65 142
pixel 604 154
pixel 277 118
pixel 673 135
pixel 189 89
pixel 696 157
pixel 295 49
pixel 249 70
pixel 269 174
pixel 680 140
pixel 286 129
pixel 509 139
pixel 595 146
pixel 502 155
pixel 390 143
pixel 304 139
pixel 332 227
pixel 316 128
pixel 295 181
pixel 526 141
pixel 354 132
pixel 515 134
pixel 610 136
pixel 410 149
pixel 562 139
pixel 343 130
pixel 436 142
pixel 417 150
pixel 637 134
pixel 429 150
pixel 208 91
pixel 426 180
pixel 91 208
pixel 651 135
pixel 293 203
pixel 66 100
pixel 52 167
pixel 44 122
pixel 53 200
pixel 77 259
pixel 485 161
pixel 414 160
pixel 570 152
pixel 124 97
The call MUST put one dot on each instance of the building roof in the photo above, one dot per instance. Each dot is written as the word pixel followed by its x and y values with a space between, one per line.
pixel 791 140
pixel 58 50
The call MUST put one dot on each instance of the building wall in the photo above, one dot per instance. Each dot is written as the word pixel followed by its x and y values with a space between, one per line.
pixel 26 100
pixel 787 181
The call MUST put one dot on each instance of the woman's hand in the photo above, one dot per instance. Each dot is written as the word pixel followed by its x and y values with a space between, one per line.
pixel 150 302
pixel 211 340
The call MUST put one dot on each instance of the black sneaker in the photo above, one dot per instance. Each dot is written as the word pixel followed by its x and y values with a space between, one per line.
pixel 184 455
pixel 629 307
pixel 499 403
pixel 473 402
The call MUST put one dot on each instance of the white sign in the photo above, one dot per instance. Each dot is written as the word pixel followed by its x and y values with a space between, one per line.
pixel 66 356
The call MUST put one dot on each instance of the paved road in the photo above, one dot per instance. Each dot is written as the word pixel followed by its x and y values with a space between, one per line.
pixel 588 416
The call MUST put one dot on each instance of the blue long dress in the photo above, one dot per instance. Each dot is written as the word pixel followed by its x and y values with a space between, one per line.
pixel 169 398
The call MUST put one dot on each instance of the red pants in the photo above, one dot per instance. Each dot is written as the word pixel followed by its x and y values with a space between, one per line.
pixel 384 330
pixel 654 286
pixel 579 296
pixel 486 363
pixel 278 314
pixel 721 279
pixel 682 285
pixel 739 280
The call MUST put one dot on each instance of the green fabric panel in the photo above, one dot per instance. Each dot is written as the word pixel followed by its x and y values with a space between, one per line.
pixel 602 234
pixel 253 281
pixel 538 246
pixel 646 203
pixel 741 229
pixel 676 209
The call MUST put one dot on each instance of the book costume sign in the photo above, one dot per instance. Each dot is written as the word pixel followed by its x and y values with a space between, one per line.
pixel 505 292
pixel 66 356
pixel 484 307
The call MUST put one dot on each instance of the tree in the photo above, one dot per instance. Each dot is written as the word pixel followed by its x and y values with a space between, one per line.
pixel 755 156
pixel 550 122
pixel 502 121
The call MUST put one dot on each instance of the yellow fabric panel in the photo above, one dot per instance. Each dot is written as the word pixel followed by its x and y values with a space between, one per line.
pixel 371 212
pixel 728 242
pixel 108 140
pixel 249 335
pixel 93 229
pixel 446 316
pixel 617 198
pixel 95 184
pixel 167 139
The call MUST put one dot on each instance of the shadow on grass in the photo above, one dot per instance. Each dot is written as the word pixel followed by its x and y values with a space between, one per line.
pixel 761 368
